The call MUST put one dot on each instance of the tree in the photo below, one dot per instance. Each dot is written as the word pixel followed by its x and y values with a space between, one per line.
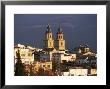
pixel 41 71
pixel 19 70
pixel 32 71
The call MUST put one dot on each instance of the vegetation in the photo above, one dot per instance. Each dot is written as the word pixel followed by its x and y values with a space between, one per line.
pixel 19 69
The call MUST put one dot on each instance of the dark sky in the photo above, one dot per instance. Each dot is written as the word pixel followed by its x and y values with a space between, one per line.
pixel 78 29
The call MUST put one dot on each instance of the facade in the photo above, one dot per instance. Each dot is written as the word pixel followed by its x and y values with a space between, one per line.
pixel 47 53
pixel 46 56
pixel 93 72
pixel 60 57
pixel 78 72
pixel 65 73
pixel 60 42
pixel 26 53
pixel 84 49
pixel 48 42
pixel 38 68
pixel 44 65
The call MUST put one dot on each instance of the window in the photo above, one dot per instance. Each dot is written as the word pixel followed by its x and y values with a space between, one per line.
pixel 48 66
pixel 50 36
pixel 22 54
pixel 29 54
pixel 50 43
pixel 59 37
pixel 43 65
pixel 61 43
pixel 27 62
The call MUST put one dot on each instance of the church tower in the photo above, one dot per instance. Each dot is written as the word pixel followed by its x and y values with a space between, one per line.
pixel 60 42
pixel 49 42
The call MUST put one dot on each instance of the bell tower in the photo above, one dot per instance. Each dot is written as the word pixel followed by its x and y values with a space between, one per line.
pixel 60 42
pixel 49 42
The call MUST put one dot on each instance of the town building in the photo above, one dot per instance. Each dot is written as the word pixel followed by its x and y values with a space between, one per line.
pixel 84 49
pixel 78 72
pixel 51 46
pixel 42 64
pixel 92 72
pixel 55 59
pixel 26 53
pixel 60 57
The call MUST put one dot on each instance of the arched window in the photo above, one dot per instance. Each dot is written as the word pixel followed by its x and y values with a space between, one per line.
pixel 61 37
pixel 50 43
pixel 61 43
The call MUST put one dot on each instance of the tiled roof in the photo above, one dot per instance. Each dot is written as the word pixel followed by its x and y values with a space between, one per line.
pixel 48 49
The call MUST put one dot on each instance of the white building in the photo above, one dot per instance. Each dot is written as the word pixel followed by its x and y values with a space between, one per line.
pixel 47 54
pixel 65 74
pixel 93 72
pixel 26 53
pixel 60 57
pixel 78 72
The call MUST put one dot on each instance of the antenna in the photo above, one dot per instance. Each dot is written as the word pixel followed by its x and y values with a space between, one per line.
pixel 59 29
pixel 35 44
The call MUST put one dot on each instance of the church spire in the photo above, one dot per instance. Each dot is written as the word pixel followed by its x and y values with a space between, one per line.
pixel 49 42
pixel 60 29
pixel 60 42
pixel 48 28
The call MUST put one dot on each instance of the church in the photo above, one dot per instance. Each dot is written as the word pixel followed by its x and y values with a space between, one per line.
pixel 55 48
pixel 50 43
